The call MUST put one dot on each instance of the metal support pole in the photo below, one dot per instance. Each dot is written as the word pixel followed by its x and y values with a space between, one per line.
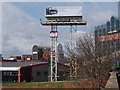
pixel 54 56
pixel 71 53
pixel 53 22
pixel 75 50
pixel 73 60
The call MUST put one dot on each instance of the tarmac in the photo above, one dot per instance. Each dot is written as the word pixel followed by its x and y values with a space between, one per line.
pixel 112 81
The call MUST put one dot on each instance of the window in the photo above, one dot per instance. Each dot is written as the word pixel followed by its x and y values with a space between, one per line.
pixel 4 73
pixel 7 73
pixel 15 73
pixel 38 73
pixel 46 73
pixel 10 73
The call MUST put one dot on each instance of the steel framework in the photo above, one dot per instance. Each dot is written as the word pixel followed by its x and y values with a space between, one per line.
pixel 73 60
pixel 54 57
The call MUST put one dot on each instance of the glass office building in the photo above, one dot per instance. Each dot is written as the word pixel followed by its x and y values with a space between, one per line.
pixel 107 37
pixel 109 33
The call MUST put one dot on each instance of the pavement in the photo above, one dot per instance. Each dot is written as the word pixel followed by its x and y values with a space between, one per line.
pixel 112 81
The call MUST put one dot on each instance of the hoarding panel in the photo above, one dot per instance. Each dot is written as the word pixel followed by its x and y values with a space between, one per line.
pixel 63 11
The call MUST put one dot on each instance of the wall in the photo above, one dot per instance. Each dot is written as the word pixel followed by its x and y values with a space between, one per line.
pixel 63 72
pixel 26 74
pixel 38 73
pixel 26 57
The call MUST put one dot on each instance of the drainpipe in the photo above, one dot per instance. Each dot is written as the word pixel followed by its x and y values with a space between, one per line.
pixel 19 75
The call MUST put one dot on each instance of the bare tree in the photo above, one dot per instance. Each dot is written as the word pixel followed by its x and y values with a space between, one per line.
pixel 94 59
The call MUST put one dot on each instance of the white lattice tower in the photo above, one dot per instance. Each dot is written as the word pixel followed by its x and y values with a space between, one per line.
pixel 54 57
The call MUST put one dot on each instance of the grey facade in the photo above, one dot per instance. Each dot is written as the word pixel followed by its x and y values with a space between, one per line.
pixel 60 53
pixel 40 73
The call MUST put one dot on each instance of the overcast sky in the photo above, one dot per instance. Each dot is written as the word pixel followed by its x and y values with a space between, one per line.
pixel 21 28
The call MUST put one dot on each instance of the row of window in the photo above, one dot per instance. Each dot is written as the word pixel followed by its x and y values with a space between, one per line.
pixel 40 73
pixel 15 73
pixel 9 73
pixel 46 55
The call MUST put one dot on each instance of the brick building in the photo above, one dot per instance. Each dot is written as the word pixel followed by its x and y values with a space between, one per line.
pixel 40 53
pixel 17 58
pixel 26 57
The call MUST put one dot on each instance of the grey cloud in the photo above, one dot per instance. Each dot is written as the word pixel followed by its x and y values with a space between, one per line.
pixel 20 31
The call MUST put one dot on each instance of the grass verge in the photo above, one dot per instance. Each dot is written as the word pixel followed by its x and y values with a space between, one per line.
pixel 37 84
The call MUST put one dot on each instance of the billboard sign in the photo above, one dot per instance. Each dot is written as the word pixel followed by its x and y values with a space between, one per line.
pixel 63 11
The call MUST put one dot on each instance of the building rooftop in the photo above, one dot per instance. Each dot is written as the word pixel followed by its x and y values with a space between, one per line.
pixel 27 55
pixel 21 64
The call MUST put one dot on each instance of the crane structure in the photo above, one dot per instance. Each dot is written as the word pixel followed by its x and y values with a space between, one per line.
pixel 54 18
